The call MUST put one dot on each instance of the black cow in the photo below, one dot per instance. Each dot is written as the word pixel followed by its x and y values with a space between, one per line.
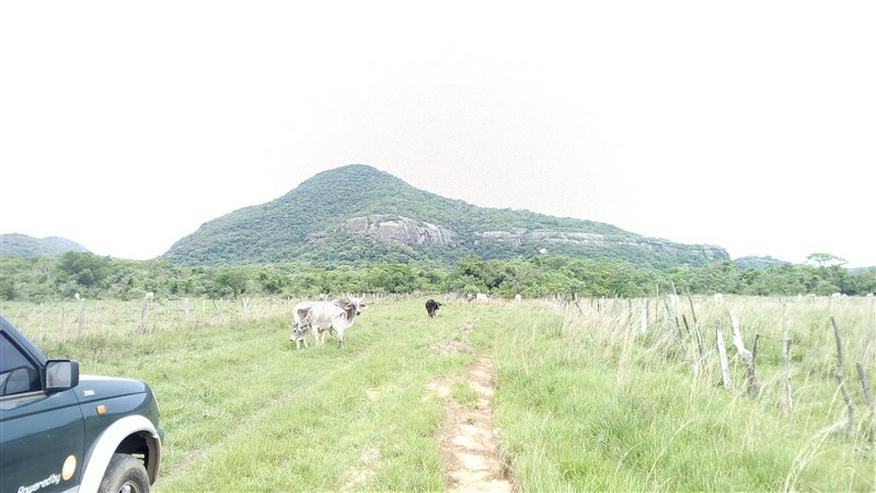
pixel 432 307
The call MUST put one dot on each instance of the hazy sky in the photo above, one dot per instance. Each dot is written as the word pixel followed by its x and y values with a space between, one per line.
pixel 751 125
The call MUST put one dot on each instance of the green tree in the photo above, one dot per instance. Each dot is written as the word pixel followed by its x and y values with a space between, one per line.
pixel 83 269
pixel 825 260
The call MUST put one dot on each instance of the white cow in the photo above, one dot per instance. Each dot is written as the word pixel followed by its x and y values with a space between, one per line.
pixel 482 298
pixel 318 317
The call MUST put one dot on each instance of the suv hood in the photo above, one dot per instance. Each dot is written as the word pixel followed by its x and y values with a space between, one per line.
pixel 92 388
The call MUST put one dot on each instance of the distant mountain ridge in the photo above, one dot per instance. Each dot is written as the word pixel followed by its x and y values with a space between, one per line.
pixel 357 213
pixel 19 245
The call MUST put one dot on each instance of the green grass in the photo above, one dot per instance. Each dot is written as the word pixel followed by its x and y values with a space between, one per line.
pixel 583 400
pixel 464 394
pixel 589 404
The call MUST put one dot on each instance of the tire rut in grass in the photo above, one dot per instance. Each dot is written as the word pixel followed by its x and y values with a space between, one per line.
pixel 468 441
pixel 264 411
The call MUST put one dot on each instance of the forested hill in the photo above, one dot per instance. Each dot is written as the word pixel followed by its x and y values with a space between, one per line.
pixel 19 245
pixel 356 212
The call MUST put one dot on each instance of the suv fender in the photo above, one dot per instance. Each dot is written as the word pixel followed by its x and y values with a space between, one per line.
pixel 107 443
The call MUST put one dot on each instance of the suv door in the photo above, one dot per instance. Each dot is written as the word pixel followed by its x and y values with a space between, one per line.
pixel 39 431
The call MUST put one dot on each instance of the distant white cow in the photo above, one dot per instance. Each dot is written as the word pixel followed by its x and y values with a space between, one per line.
pixel 482 298
pixel 518 298
pixel 318 317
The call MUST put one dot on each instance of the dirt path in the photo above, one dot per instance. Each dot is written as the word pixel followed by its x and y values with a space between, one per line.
pixel 468 442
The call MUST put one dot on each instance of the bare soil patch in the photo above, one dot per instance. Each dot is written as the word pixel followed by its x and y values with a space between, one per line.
pixel 451 347
pixel 440 387
pixel 468 440
pixel 358 476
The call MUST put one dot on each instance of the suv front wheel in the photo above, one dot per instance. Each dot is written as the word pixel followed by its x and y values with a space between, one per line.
pixel 125 474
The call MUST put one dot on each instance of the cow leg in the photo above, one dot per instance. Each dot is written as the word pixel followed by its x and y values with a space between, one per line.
pixel 339 333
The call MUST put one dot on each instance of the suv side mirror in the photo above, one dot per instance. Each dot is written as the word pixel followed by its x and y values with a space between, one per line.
pixel 61 374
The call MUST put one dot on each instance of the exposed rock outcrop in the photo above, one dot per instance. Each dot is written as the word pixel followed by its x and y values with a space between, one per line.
pixel 519 236
pixel 399 230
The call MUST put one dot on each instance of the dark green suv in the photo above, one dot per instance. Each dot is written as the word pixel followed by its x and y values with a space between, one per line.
pixel 63 432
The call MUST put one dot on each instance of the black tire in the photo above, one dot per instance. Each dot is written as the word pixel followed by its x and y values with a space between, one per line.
pixel 125 474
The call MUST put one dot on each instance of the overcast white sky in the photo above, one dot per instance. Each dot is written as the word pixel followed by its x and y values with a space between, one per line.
pixel 751 125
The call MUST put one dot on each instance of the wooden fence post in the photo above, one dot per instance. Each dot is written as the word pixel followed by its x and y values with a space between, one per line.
pixel 722 355
pixel 868 397
pixel 746 356
pixel 693 313
pixel 63 325
pixel 144 312
pixel 81 314
pixel 643 325
pixel 788 400
pixel 698 341
pixel 865 385
pixel 42 322
pixel 671 318
pixel 696 326
pixel 841 378
pixel 246 305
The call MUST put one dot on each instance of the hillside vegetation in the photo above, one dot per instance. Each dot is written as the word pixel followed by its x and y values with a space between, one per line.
pixel 101 277
pixel 318 221
pixel 19 245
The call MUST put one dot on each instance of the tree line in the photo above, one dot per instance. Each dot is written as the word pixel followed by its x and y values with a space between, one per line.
pixel 93 276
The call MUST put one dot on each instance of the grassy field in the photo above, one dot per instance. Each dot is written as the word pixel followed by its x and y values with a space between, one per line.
pixel 589 403
pixel 584 400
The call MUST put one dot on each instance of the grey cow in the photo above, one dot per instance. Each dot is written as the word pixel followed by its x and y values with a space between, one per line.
pixel 318 317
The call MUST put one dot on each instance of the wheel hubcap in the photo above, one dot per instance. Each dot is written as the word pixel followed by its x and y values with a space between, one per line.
pixel 129 487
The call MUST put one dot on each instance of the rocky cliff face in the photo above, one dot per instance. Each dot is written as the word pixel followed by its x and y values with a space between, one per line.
pixel 520 236
pixel 399 230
